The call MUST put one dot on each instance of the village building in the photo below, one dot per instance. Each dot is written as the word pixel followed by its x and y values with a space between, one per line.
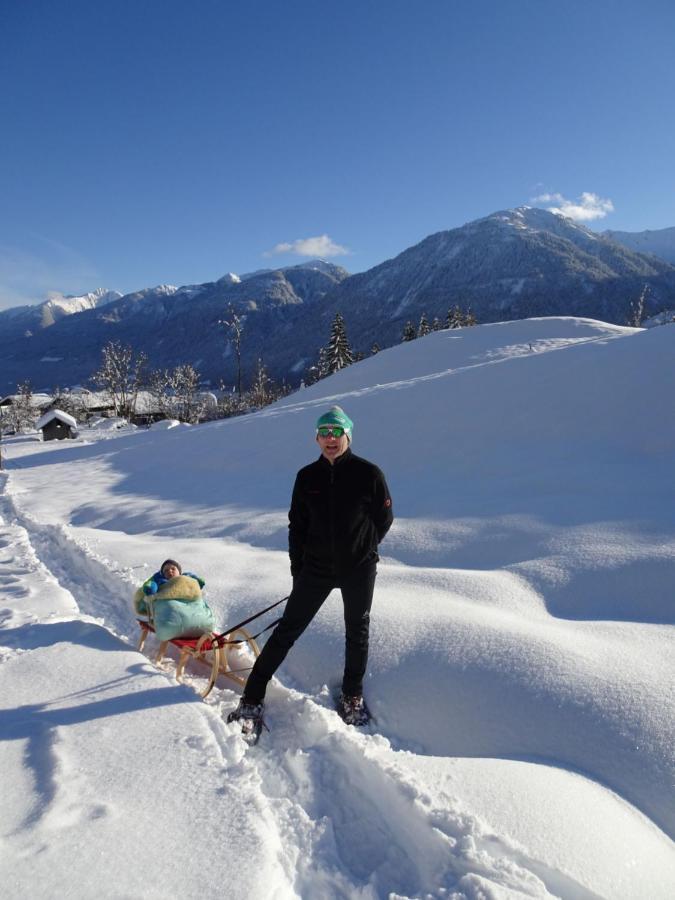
pixel 57 425
pixel 39 402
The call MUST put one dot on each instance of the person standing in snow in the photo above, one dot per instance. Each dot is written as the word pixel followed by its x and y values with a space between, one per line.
pixel 340 511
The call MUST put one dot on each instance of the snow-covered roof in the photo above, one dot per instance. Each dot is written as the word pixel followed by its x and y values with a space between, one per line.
pixel 56 414
pixel 38 400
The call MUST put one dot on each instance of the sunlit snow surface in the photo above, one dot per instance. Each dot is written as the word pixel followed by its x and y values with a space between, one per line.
pixel 521 665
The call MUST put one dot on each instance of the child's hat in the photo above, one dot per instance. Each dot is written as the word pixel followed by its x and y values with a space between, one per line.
pixel 171 562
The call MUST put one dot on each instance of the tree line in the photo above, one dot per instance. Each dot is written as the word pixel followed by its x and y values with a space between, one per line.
pixel 125 375
pixel 337 353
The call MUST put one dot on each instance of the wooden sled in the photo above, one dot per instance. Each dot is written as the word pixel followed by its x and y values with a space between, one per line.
pixel 211 649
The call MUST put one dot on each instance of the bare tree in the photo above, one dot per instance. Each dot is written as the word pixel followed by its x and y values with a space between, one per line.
pixel 69 402
pixel 120 375
pixel 636 313
pixel 22 415
pixel 235 324
pixel 262 390
pixel 229 403
pixel 158 383
pixel 187 405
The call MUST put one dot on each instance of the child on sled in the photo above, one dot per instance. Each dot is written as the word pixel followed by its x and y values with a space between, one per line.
pixel 172 601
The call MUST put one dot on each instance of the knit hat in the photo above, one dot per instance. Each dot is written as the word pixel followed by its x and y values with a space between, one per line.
pixel 336 416
pixel 171 562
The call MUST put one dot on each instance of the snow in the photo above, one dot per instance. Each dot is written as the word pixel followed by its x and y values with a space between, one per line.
pixel 165 424
pixel 67 305
pixel 521 666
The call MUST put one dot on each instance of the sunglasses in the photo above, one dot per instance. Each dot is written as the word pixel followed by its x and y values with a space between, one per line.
pixel 332 431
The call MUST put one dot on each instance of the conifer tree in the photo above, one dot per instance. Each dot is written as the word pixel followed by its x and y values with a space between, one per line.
pixel 374 349
pixel 424 327
pixel 455 318
pixel 409 332
pixel 338 351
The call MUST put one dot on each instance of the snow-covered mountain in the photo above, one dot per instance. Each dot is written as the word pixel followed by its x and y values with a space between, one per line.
pixel 660 242
pixel 172 325
pixel 509 265
pixel 58 306
pixel 19 320
pixel 521 666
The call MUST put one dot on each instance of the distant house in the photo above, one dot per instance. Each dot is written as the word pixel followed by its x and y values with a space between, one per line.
pixel 99 403
pixel 89 403
pixel 56 425
pixel 39 401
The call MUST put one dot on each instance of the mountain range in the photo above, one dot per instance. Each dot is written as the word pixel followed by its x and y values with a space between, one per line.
pixel 660 242
pixel 513 264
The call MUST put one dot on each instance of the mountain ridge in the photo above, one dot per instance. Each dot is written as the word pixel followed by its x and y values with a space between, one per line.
pixel 659 242
pixel 512 264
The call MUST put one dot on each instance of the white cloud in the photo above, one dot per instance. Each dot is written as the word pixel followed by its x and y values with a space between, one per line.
pixel 321 246
pixel 587 207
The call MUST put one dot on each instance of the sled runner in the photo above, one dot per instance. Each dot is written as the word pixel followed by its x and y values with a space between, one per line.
pixel 217 651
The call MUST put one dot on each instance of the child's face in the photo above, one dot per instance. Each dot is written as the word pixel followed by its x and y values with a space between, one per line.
pixel 170 571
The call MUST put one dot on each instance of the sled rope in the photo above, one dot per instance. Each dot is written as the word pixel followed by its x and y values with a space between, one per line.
pixel 218 638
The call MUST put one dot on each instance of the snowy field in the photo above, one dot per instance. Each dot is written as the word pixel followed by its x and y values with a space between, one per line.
pixel 522 669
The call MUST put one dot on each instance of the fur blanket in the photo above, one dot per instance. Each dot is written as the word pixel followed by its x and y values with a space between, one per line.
pixel 178 609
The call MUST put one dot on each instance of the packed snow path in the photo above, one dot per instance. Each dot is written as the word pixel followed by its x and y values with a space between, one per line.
pixel 91 754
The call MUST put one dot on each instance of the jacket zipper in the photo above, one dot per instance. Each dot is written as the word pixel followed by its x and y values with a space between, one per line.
pixel 332 518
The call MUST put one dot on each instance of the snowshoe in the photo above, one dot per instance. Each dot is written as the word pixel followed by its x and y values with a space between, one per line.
pixel 251 717
pixel 353 710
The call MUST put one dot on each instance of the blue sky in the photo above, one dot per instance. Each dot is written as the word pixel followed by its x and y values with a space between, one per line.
pixel 158 141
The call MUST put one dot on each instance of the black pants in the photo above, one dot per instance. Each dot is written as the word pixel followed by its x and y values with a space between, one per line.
pixel 308 594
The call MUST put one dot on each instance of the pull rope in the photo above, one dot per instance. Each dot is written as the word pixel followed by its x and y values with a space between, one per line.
pixel 219 642
pixel 219 637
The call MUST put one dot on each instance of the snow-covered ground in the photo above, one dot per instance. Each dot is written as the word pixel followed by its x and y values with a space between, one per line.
pixel 521 672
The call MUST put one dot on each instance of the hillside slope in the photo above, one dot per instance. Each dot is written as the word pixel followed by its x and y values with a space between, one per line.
pixel 521 669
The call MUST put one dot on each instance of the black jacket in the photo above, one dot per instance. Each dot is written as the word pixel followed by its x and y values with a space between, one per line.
pixel 339 514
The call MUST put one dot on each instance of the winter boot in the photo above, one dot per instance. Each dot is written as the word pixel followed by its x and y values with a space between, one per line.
pixel 251 717
pixel 353 710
